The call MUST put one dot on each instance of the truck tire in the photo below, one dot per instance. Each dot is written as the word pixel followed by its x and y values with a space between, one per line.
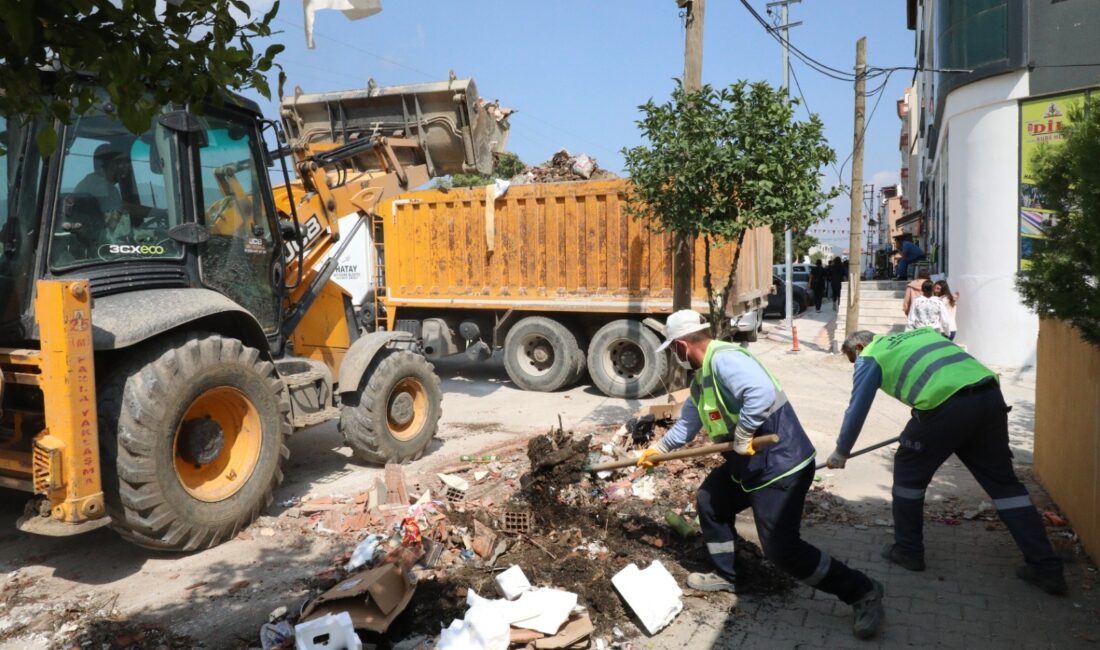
pixel 394 414
pixel 541 354
pixel 623 360
pixel 192 435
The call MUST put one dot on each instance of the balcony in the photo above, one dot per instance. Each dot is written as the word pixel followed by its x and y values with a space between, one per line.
pixel 904 173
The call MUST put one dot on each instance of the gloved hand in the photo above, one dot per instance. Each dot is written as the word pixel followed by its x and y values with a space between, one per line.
pixel 742 441
pixel 646 459
pixel 837 459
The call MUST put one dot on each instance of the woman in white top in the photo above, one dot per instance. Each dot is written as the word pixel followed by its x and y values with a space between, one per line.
pixel 928 311
pixel 951 301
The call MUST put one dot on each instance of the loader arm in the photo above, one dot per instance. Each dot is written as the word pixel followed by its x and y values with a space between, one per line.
pixel 352 150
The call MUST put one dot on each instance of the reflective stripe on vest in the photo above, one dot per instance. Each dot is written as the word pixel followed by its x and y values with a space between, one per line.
pixel 717 419
pixel 922 369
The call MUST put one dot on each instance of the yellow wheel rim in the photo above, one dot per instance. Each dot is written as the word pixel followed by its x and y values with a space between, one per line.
pixel 407 408
pixel 217 444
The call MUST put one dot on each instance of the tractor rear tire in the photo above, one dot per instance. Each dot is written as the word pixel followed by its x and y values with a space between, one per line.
pixel 394 414
pixel 541 354
pixel 192 435
pixel 623 360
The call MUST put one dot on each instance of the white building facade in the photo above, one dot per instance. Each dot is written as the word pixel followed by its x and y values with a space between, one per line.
pixel 993 73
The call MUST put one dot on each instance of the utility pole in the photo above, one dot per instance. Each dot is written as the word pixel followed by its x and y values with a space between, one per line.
pixel 682 269
pixel 855 217
pixel 787 247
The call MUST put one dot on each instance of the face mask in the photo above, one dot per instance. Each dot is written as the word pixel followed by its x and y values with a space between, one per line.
pixel 683 363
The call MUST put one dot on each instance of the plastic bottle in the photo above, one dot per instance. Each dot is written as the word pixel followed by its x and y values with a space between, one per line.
pixel 478 459
pixel 677 523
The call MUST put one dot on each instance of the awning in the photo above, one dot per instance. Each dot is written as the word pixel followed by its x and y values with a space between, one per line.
pixel 912 217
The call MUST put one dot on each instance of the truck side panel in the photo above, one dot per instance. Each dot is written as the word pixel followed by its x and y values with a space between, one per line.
pixel 550 247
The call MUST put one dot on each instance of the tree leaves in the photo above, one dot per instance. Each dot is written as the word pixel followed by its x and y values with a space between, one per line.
pixel 184 53
pixel 719 162
pixel 1063 280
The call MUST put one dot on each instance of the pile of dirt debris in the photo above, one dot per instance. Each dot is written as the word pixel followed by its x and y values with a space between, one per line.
pixel 561 167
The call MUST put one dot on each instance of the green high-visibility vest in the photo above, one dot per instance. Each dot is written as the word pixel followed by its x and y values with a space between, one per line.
pixel 717 419
pixel 922 369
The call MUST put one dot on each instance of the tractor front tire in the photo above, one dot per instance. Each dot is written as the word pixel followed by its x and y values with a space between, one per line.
pixel 192 435
pixel 394 414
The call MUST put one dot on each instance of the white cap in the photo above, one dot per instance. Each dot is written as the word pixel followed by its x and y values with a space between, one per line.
pixel 680 324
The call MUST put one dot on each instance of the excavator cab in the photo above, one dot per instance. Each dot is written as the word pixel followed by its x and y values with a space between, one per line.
pixel 167 317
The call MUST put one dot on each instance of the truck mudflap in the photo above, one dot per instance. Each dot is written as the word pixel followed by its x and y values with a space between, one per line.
pixel 458 132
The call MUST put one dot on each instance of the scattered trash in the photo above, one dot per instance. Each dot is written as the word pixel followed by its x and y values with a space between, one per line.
pixel 276 635
pixel 645 488
pixel 482 628
pixel 553 607
pixel 563 167
pixel 512 583
pixel 1055 519
pixel 363 554
pixel 326 633
pixel 641 429
pixel 480 476
pixel 652 593
pixel 372 598
pixel 455 482
pixel 478 459
pixel 677 523
pixel 573 632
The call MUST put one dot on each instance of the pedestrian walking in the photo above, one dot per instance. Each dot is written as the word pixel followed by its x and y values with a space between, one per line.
pixel 836 276
pixel 951 301
pixel 913 290
pixel 734 397
pixel 817 283
pixel 928 311
pixel 957 408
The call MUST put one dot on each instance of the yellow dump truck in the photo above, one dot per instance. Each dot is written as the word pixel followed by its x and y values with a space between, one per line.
pixel 558 275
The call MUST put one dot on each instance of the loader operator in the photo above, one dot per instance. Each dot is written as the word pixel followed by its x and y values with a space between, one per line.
pixel 957 408
pixel 734 397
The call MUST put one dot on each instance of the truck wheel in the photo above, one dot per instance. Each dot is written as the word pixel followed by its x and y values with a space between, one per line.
pixel 623 360
pixel 541 354
pixel 395 413
pixel 192 435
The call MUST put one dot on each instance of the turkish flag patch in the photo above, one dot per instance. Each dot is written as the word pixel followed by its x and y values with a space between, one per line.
pixel 715 415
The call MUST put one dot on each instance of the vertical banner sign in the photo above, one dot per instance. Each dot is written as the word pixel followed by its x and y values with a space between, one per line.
pixel 1042 123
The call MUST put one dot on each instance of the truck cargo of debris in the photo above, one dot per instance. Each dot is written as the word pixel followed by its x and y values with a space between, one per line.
pixel 563 166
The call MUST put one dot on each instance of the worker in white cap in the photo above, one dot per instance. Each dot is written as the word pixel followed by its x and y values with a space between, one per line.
pixel 734 397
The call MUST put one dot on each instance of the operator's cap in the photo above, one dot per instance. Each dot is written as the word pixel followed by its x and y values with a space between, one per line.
pixel 680 324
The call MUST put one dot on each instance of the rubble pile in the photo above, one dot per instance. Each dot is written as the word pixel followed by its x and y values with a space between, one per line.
pixel 562 167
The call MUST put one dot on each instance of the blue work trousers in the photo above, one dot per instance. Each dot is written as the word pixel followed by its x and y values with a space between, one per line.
pixel 777 510
pixel 973 425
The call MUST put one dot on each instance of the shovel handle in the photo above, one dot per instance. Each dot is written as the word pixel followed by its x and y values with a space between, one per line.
pixel 758 442
pixel 878 445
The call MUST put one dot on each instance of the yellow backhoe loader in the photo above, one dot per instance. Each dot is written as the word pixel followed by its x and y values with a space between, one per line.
pixel 168 318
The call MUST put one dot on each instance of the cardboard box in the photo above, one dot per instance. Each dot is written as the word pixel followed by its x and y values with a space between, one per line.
pixel 669 411
pixel 373 598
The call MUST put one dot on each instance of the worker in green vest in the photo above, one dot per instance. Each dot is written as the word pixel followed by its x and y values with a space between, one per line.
pixel 958 409
pixel 734 398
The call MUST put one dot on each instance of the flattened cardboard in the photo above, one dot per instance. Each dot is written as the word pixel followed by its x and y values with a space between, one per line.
pixel 569 635
pixel 373 598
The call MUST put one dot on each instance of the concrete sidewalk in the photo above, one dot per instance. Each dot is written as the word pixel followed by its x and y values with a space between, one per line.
pixel 968 597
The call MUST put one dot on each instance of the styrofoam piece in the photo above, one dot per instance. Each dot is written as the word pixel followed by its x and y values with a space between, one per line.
pixel 513 582
pixel 652 593
pixel 327 633
pixel 552 606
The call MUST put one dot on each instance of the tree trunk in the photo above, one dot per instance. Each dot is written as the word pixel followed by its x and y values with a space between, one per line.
pixel 708 284
pixel 723 331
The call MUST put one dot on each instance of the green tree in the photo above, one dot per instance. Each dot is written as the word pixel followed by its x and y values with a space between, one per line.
pixel 1063 278
pixel 800 244
pixel 719 162
pixel 505 166
pixel 144 54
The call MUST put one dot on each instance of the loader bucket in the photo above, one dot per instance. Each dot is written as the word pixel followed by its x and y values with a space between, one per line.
pixel 457 131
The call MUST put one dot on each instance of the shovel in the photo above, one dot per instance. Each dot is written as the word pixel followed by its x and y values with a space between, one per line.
pixel 873 447
pixel 758 442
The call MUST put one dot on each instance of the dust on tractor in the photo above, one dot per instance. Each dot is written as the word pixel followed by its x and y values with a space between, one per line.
pixel 168 318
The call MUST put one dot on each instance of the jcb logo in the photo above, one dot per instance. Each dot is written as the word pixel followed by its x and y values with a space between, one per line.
pixel 126 249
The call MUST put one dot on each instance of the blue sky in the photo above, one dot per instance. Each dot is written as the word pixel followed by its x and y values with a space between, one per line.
pixel 576 71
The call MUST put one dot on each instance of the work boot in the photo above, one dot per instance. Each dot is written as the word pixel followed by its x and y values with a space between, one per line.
pixel 867 612
pixel 1054 583
pixel 904 559
pixel 710 582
